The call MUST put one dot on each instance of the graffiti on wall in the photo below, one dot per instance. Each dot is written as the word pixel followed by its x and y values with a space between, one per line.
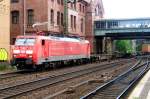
pixel 3 54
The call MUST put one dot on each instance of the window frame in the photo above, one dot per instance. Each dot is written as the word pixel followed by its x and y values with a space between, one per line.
pixel 30 13
pixel 14 1
pixel 15 17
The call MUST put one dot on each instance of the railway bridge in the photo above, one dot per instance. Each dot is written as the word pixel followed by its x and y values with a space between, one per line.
pixel 106 31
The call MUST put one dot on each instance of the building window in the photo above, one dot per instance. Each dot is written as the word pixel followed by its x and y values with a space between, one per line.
pixel 81 25
pixel 15 17
pixel 80 7
pixel 14 1
pixel 30 17
pixel 62 2
pixel 96 12
pixel 62 18
pixel 75 22
pixel 52 17
pixel 58 18
pixel 71 5
pixel 75 6
pixel 83 9
pixel 71 21
pixel 58 1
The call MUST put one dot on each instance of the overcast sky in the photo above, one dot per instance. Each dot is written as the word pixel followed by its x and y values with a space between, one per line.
pixel 126 8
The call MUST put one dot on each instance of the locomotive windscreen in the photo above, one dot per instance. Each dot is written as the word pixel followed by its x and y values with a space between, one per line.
pixel 25 41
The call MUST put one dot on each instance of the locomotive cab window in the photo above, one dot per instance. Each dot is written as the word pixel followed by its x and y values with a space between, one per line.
pixel 43 42
pixel 25 41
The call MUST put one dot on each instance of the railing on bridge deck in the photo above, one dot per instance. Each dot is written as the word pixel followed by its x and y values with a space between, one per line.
pixel 121 26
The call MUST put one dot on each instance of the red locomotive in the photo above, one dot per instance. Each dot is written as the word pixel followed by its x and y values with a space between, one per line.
pixel 32 52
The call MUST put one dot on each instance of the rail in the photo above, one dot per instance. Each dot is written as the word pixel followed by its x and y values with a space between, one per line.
pixel 110 83
pixel 132 85
pixel 15 90
pixel 10 74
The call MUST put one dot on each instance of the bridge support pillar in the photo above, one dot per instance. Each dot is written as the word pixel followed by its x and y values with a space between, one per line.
pixel 108 45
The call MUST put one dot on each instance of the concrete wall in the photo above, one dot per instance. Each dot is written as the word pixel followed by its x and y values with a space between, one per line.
pixel 4 26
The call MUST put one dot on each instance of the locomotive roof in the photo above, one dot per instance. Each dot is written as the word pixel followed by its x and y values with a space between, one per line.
pixel 56 38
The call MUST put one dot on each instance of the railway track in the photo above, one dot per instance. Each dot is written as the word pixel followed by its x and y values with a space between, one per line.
pixel 18 74
pixel 75 91
pixel 15 74
pixel 15 90
pixel 25 76
pixel 116 88
pixel 10 75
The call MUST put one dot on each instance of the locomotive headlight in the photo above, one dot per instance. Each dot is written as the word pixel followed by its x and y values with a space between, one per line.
pixel 16 51
pixel 30 56
pixel 29 52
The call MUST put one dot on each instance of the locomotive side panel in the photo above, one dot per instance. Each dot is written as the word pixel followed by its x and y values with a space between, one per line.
pixel 38 50
pixel 73 48
pixel 86 49
pixel 57 48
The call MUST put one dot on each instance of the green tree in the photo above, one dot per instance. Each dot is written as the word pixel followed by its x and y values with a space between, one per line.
pixel 124 46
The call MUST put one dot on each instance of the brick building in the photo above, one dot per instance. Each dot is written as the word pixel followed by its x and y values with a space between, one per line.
pixel 48 16
pixel 94 11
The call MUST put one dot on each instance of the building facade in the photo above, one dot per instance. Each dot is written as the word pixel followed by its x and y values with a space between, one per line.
pixel 25 13
pixel 94 11
pixel 4 29
pixel 29 16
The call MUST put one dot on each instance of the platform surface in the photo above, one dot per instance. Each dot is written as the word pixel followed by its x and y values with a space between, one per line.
pixel 142 90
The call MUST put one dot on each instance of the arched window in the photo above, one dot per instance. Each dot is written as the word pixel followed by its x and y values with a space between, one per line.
pixel 81 25
pixel 62 18
pixel 52 16
pixel 58 18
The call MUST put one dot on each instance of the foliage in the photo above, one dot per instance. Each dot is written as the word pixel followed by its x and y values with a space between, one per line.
pixel 139 47
pixel 5 66
pixel 124 46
